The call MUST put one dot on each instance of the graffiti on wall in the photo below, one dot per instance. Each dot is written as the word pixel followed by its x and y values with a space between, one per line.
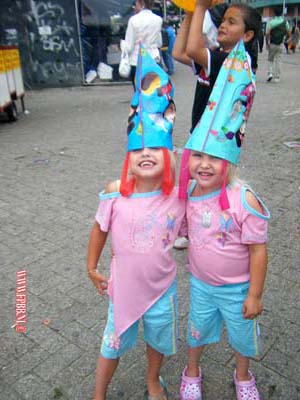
pixel 55 32
pixel 54 40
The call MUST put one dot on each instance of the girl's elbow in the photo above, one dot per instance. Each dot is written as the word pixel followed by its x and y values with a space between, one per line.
pixel 176 55
pixel 192 51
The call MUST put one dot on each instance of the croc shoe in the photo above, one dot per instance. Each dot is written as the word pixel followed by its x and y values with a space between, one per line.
pixel 190 388
pixel 246 390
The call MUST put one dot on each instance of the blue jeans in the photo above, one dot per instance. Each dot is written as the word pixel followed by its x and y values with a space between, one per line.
pixel 168 61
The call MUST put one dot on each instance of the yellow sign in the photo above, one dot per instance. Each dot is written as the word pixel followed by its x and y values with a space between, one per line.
pixel 7 60
pixel 2 65
pixel 14 58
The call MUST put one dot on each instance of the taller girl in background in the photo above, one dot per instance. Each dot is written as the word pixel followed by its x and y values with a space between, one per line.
pixel 196 44
pixel 143 215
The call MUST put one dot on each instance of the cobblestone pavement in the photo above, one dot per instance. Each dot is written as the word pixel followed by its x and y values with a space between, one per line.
pixel 53 162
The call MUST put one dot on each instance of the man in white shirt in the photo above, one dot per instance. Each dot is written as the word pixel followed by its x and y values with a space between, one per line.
pixel 143 27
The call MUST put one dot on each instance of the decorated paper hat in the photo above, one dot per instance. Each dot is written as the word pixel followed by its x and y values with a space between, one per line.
pixel 221 129
pixel 151 123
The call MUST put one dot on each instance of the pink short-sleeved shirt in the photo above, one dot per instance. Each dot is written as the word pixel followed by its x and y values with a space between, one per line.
pixel 143 228
pixel 219 252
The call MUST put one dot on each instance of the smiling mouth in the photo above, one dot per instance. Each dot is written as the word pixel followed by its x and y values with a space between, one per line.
pixel 146 164
pixel 205 175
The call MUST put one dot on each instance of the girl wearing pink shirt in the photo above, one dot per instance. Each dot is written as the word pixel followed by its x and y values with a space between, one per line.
pixel 227 230
pixel 143 215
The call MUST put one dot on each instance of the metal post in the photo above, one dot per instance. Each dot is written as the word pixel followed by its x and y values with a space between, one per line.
pixel 283 8
pixel 165 10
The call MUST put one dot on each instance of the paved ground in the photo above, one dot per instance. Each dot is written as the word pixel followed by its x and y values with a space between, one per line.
pixel 53 162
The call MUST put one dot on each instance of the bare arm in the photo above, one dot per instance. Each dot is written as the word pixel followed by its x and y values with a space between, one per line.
pixel 258 268
pixel 96 244
pixel 196 49
pixel 179 49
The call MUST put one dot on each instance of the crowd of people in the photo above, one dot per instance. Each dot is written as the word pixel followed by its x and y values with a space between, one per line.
pixel 221 217
pixel 148 26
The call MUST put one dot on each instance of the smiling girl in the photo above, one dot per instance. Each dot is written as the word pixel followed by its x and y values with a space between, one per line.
pixel 143 215
pixel 227 221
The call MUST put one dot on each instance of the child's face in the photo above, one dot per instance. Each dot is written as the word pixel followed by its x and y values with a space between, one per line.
pixel 232 28
pixel 147 163
pixel 207 170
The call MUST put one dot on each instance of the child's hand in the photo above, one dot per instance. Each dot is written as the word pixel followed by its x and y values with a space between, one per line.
pixel 99 281
pixel 252 307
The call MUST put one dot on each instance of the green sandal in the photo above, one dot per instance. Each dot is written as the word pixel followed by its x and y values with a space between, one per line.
pixel 162 396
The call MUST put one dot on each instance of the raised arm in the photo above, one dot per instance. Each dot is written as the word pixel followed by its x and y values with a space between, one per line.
pixel 196 48
pixel 179 49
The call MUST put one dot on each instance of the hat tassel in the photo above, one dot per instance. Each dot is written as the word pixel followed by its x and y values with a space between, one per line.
pixel 184 175
pixel 168 180
pixel 223 199
pixel 126 186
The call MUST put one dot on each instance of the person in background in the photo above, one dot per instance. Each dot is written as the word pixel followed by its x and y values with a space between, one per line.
pixel 276 30
pixel 168 37
pixel 143 27
pixel 95 40
pixel 293 40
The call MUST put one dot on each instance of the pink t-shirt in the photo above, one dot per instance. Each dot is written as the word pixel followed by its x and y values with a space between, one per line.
pixel 219 252
pixel 143 228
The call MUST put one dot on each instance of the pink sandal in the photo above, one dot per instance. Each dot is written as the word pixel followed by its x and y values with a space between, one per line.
pixel 190 388
pixel 246 390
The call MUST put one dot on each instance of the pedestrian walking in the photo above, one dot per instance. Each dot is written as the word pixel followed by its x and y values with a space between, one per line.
pixel 227 227
pixel 293 40
pixel 143 215
pixel 276 31
pixel 168 38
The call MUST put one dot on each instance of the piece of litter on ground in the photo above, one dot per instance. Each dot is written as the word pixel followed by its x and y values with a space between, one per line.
pixel 288 113
pixel 26 112
pixel 292 145
pixel 41 162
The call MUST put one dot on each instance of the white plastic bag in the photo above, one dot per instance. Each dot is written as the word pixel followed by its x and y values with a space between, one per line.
pixel 124 66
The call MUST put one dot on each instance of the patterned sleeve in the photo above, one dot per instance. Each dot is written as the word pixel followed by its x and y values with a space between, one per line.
pixel 104 212
pixel 254 224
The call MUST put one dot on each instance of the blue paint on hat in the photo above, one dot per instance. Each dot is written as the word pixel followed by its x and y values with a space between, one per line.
pixel 148 125
pixel 220 131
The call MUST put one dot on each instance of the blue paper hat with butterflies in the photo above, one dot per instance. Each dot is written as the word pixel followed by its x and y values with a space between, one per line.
pixel 151 122
pixel 220 131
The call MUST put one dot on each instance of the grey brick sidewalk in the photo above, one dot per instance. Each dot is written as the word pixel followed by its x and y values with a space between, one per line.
pixel 53 162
